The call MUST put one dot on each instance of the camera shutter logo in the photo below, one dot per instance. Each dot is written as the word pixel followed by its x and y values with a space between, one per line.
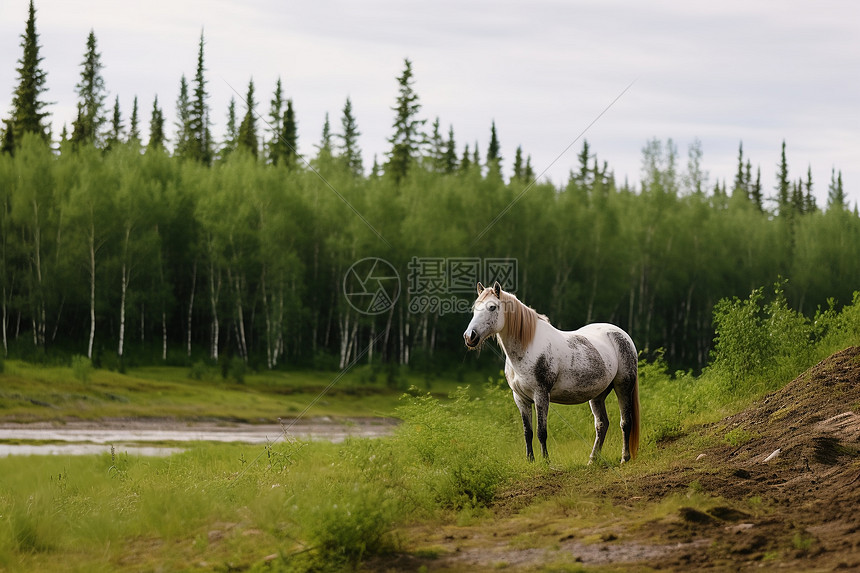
pixel 371 286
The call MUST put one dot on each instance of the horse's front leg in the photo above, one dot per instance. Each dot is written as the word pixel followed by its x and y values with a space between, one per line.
pixel 525 408
pixel 542 409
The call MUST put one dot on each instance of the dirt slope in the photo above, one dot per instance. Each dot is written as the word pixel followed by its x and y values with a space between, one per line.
pixel 802 459
pixel 787 497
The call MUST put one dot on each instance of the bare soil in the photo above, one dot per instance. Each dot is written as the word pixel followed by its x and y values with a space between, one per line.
pixel 786 496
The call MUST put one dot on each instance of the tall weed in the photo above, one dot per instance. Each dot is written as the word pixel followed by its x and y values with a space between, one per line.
pixel 457 449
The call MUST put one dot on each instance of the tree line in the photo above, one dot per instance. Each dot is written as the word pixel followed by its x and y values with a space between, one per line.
pixel 115 247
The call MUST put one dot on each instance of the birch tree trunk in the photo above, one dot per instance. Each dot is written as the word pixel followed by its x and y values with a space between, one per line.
pixel 5 342
pixel 92 291
pixel 344 338
pixel 122 309
pixel 191 303
pixel 39 316
pixel 214 293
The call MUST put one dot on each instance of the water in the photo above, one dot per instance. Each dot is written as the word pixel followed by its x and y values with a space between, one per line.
pixel 146 437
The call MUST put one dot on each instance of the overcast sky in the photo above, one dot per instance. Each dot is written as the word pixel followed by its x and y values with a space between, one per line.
pixel 722 72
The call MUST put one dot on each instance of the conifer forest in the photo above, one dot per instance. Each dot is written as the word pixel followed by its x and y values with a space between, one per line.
pixel 177 246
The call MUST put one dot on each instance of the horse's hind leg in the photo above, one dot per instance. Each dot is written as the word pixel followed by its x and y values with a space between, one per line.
pixel 525 408
pixel 601 423
pixel 542 409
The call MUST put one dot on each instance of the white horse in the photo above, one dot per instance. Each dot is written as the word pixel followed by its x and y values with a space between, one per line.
pixel 546 365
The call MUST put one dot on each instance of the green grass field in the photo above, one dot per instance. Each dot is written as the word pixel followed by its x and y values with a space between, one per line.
pixel 454 462
pixel 36 393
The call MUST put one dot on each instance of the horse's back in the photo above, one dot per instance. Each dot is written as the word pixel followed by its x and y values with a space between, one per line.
pixel 614 344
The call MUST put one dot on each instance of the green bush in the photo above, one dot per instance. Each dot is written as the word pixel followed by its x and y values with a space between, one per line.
pixel 757 342
pixel 836 330
pixel 459 448
pixel 198 370
pixel 237 370
pixel 355 520
pixel 81 368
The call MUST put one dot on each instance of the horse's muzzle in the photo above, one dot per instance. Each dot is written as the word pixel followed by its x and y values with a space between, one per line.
pixel 472 339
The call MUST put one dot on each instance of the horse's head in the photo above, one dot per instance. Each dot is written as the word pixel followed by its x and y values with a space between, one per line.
pixel 487 316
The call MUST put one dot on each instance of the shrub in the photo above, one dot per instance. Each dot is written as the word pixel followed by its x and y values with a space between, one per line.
pixel 759 342
pixel 198 370
pixel 836 330
pixel 354 521
pixel 81 368
pixel 237 370
pixel 458 446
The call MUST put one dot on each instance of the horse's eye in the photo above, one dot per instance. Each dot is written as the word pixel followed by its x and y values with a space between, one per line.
pixel 493 308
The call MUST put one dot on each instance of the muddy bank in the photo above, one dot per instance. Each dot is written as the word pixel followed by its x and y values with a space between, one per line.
pixel 79 437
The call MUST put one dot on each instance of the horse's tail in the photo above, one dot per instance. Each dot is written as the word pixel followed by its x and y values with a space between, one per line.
pixel 634 429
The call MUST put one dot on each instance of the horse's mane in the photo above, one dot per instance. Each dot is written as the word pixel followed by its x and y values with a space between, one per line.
pixel 520 320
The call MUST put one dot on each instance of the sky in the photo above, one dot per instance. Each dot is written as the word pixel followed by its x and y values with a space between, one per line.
pixel 545 71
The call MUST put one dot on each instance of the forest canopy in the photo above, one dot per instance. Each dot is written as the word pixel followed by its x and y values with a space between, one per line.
pixel 180 247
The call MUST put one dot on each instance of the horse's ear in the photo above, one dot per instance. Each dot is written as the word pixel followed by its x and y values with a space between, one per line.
pixel 480 287
pixel 497 288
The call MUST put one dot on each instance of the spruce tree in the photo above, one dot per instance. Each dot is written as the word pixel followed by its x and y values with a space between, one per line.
pixel 450 152
pixel 494 156
pixel 290 137
pixel 183 121
pixel 466 161
pixel 518 163
pixel 199 125
pixel 809 204
pixel 783 187
pixel 156 127
pixel 86 129
pixel 324 148
pixel 28 115
pixel 797 199
pixel 836 198
pixel 436 148
pixel 247 139
pixel 231 135
pixel 407 137
pixel 115 135
pixel 349 150
pixel 529 172
pixel 134 125
pixel 584 156
pixel 756 191
pixel 740 188
pixel 274 146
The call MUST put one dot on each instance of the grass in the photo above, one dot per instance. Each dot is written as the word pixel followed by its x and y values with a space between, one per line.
pixel 453 465
pixel 37 393
pixel 296 506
